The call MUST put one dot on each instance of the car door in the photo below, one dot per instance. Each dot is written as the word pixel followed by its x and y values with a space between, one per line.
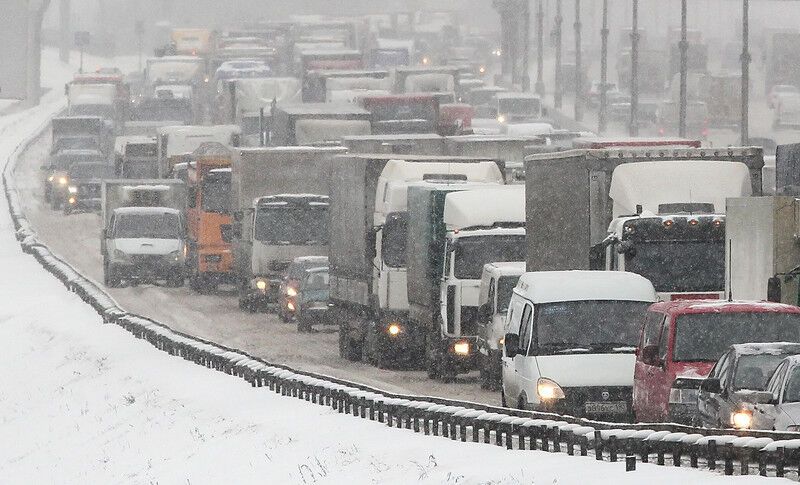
pixel 789 397
pixel 720 411
pixel 766 415
pixel 525 364
pixel 510 385
pixel 644 386
pixel 707 402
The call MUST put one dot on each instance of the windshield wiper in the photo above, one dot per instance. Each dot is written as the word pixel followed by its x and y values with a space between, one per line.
pixel 564 347
pixel 613 346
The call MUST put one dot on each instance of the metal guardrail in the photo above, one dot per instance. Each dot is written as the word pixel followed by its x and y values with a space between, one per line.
pixel 763 452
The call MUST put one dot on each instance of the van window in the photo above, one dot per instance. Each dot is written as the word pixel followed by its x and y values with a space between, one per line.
pixel 663 342
pixel 525 330
pixel 775 382
pixel 490 297
pixel 652 328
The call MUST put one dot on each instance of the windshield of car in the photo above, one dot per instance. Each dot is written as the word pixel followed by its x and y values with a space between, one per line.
pixel 753 371
pixel 103 110
pixel 216 193
pixel 147 225
pixel 706 336
pixel 520 106
pixel 90 171
pixel 292 224
pixel 589 326
pixel 792 392
pixel 473 252
pixel 141 150
pixel 679 266
pixel 505 287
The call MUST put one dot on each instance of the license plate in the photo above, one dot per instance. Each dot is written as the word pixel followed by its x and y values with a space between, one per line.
pixel 611 407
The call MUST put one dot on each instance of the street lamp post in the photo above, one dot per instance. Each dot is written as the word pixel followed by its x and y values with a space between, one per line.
pixel 684 48
pixel 745 58
pixel 601 119
pixel 559 88
pixel 526 50
pixel 634 126
pixel 578 77
pixel 540 51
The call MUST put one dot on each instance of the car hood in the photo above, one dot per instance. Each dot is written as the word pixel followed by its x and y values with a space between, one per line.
pixel 148 245
pixel 588 370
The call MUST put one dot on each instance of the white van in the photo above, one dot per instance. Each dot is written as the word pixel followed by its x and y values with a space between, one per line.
pixel 570 339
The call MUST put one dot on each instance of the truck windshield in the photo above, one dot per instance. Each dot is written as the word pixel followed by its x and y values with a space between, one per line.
pixel 403 110
pixel 216 194
pixel 104 111
pixel 139 169
pixel 473 252
pixel 292 225
pixel 753 371
pixel 505 287
pixel 676 266
pixel 84 171
pixel 147 225
pixel 588 326
pixel 706 336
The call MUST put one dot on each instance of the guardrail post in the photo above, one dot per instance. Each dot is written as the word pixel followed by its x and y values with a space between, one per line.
pixel 728 459
pixel 712 454
pixel 677 450
pixel 498 434
pixel 556 440
pixel 521 431
pixel 693 452
pixel 543 434
pixel 598 446
pixel 780 461
pixel 762 463
pixel 659 453
pixel 570 442
pixel 612 448
pixel 644 451
pixel 584 445
pixel 630 456
pixel 463 429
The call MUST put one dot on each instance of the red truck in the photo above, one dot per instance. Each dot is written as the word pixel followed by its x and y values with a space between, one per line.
pixel 682 340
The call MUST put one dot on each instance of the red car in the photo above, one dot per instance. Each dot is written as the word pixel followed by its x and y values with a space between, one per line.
pixel 681 341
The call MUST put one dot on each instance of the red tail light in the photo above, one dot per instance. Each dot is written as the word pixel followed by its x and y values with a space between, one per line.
pixel 694 296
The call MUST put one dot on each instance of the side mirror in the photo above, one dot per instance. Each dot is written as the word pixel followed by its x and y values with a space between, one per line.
pixel 758 397
pixel 626 247
pixel 711 385
pixel 226 231
pixel 511 344
pixel 774 289
pixel 650 355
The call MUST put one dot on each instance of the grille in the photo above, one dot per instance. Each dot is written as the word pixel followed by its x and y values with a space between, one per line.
pixel 575 398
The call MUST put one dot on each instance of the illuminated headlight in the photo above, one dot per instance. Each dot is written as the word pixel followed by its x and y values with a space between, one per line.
pixel 793 427
pixel 63 181
pixel 683 396
pixel 394 329
pixel 461 348
pixel 482 70
pixel 72 189
pixel 501 341
pixel 742 419
pixel 71 201
pixel 426 60
pixel 290 306
pixel 176 255
pixel 50 178
pixel 291 291
pixel 548 389
pixel 262 285
pixel 501 119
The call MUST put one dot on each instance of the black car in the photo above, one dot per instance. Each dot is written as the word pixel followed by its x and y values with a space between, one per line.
pixel 56 183
pixel 744 368
pixel 85 180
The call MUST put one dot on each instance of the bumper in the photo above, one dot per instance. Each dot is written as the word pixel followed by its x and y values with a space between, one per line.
pixel 153 269
pixel 315 315
pixel 407 340
pixel 613 403
pixel 263 290
pixel 683 414
pixel 462 353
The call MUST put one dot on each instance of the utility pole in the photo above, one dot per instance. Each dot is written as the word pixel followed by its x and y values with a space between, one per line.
pixel 559 82
pixel 684 48
pixel 526 51
pixel 601 119
pixel 745 72
pixel 540 52
pixel 64 41
pixel 139 29
pixel 578 73
pixel 634 126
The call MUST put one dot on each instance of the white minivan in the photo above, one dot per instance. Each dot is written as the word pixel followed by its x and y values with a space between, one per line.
pixel 570 339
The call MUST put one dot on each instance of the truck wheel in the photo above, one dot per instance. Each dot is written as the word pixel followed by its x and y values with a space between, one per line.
pixel 348 349
pixel 284 316
pixel 304 325
pixel 376 352
pixel 198 283
pixel 55 204
pixel 432 360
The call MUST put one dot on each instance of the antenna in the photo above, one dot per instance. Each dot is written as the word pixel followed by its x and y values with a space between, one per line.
pixel 730 269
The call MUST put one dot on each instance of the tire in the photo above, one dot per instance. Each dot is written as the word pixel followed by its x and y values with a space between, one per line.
pixel 503 402
pixel 55 204
pixel 199 283
pixel 349 349
pixel 303 325
pixel 432 360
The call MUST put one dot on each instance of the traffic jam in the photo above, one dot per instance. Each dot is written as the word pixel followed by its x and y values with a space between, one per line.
pixel 370 177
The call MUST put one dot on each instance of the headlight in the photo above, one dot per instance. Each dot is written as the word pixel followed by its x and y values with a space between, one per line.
pixel 291 291
pixel 50 178
pixel 394 329
pixel 501 119
pixel 72 189
pixel 290 306
pixel 426 60
pixel 548 389
pixel 742 419
pixel 62 181
pixel 71 200
pixel 793 427
pixel 461 348
pixel 262 284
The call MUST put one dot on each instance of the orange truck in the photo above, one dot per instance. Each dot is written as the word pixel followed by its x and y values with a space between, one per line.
pixel 209 183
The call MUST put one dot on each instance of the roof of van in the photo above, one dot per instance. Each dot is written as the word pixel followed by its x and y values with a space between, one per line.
pixel 577 285
pixel 404 170
pixel 471 208
pixel 680 307
pixel 146 210
pixel 510 268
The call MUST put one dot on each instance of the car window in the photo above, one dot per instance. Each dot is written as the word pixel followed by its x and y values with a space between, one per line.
pixel 715 372
pixel 775 382
pixel 525 330
pixel 652 328
pixel 724 372
pixel 491 295
pixel 792 391
pixel 663 341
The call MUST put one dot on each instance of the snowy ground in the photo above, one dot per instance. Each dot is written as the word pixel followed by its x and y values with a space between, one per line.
pixel 83 402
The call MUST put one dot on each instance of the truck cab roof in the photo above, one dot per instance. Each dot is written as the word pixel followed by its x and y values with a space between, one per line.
pixel 500 269
pixel 578 285
pixel 682 307
pixel 146 210
pixel 469 209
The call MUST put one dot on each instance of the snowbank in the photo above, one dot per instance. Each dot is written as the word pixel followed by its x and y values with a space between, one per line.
pixel 83 402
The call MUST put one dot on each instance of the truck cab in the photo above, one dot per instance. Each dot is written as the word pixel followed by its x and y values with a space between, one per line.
pixel 497 284
pixel 516 107
pixel 674 234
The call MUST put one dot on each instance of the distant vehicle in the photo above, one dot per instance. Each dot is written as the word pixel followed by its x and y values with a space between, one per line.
pixel 593 97
pixel 74 143
pixel 516 107
pixel 744 368
pixel 312 298
pixel 57 173
pixel 778 91
pixel 287 302
pixel 570 341
pixel 681 341
pixel 787 112
pixel 497 285
pixel 85 179
pixel 242 69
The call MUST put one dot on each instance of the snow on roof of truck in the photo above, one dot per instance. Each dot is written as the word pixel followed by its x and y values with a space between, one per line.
pixel 499 138
pixel 316 109
pixel 652 183
pixel 400 136
pixel 146 210
pixel 515 95
pixel 485 207
pixel 769 348
pixel 291 149
pixel 530 130
pixel 578 285
pixel 400 169
pixel 142 187
pixel 509 268
pixel 678 307
pixel 598 142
